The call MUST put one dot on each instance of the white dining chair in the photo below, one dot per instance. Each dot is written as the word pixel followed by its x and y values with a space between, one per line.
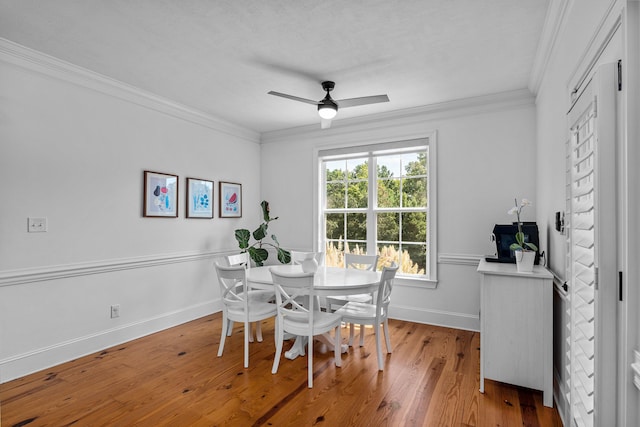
pixel 299 315
pixel 373 314
pixel 245 260
pixel 238 305
pixel 239 259
pixel 363 262
pixel 297 257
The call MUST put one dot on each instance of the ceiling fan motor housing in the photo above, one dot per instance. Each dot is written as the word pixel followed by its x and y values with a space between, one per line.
pixel 328 86
pixel 327 108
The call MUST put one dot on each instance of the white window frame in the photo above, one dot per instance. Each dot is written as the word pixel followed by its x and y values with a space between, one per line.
pixel 363 150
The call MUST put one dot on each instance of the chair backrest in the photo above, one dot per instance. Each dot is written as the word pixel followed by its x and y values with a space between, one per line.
pixel 229 278
pixel 239 259
pixel 297 257
pixel 384 290
pixel 362 262
pixel 291 289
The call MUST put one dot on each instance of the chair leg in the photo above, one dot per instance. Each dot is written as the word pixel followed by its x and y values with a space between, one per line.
pixel 259 331
pixel 229 327
pixel 247 332
pixel 350 334
pixel 230 331
pixel 361 335
pixel 310 368
pixel 250 331
pixel 378 348
pixel 337 347
pixel 279 343
pixel 386 336
pixel 223 335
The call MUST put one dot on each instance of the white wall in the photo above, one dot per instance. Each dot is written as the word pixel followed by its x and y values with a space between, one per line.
pixel 486 158
pixel 577 47
pixel 74 146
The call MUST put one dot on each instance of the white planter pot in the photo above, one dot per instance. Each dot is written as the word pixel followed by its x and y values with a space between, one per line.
pixel 525 260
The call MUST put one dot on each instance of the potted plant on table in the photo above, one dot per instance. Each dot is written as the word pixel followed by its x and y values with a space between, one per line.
pixel 525 252
pixel 256 250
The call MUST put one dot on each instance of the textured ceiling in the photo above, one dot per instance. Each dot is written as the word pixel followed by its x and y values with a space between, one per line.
pixel 222 57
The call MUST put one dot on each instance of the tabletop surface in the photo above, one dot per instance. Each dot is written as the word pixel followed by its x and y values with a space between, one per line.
pixel 511 270
pixel 326 278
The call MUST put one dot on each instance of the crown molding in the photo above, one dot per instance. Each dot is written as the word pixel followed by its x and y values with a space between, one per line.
pixel 444 110
pixel 602 35
pixel 553 23
pixel 50 66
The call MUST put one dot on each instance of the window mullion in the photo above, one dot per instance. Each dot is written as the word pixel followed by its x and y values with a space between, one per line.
pixel 372 203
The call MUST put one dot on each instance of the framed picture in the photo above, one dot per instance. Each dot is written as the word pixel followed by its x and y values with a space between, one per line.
pixel 230 200
pixel 160 195
pixel 199 198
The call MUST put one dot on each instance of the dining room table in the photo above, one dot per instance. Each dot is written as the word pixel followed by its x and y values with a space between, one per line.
pixel 327 281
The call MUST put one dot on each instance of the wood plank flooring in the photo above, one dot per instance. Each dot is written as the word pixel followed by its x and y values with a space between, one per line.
pixel 173 378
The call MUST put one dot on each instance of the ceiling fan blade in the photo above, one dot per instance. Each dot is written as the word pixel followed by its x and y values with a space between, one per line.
pixel 353 102
pixel 295 98
pixel 325 123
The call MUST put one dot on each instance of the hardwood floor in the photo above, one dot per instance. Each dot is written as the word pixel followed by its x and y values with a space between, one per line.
pixel 174 378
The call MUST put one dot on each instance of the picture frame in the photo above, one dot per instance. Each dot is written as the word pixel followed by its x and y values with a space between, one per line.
pixel 199 200
pixel 160 195
pixel 230 199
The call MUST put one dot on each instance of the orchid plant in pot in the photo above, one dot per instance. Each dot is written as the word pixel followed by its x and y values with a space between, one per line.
pixel 525 251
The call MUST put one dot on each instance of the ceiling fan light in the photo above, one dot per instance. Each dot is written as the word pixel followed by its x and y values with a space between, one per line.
pixel 327 110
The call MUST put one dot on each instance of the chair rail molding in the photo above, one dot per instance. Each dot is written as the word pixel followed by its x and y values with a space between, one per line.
pixel 460 259
pixel 50 66
pixel 55 272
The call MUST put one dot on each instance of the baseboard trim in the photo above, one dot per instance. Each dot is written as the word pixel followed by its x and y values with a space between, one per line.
pixel 559 395
pixel 448 319
pixel 43 358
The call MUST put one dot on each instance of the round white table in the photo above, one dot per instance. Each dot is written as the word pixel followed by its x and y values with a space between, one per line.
pixel 327 281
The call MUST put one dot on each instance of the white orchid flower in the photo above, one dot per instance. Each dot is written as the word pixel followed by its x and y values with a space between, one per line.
pixel 513 210
pixel 525 202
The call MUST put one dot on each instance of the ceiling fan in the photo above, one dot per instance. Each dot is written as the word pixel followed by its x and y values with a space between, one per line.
pixel 328 107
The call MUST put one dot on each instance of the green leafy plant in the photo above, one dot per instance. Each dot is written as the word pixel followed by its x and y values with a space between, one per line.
pixel 256 250
pixel 520 244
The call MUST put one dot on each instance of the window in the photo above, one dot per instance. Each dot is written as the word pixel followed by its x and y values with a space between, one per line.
pixel 377 199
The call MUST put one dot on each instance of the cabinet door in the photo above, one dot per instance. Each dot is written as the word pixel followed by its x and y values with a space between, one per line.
pixel 513 324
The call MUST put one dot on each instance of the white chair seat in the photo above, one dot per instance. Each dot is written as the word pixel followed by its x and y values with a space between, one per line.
pixel 321 322
pixel 354 298
pixel 261 295
pixel 358 312
pixel 256 308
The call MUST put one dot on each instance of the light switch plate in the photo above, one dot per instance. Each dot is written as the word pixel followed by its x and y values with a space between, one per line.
pixel 36 225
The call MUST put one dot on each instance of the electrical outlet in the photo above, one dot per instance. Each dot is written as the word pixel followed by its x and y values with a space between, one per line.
pixel 115 311
pixel 36 225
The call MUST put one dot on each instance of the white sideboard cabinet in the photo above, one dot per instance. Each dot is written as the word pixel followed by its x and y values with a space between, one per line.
pixel 516 327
